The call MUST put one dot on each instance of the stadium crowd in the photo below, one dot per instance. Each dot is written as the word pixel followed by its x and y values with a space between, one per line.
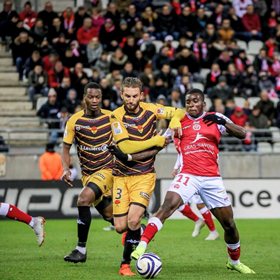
pixel 168 47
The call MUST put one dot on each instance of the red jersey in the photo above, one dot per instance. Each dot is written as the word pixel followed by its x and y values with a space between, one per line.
pixel 199 146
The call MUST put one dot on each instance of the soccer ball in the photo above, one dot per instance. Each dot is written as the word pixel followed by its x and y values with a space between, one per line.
pixel 149 265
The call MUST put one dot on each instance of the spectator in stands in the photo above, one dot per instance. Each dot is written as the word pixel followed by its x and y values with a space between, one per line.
pixel 266 106
pixel 158 89
pixel 37 83
pixel 249 82
pixel 240 6
pixel 241 61
pixel 22 49
pixel 86 32
pixel 32 61
pixel 108 35
pixel 118 60
pixel 148 19
pixel 217 16
pixel 266 84
pixel 103 64
pixel 68 22
pixel 128 70
pixel 200 50
pixel 226 32
pixel 130 47
pixel 55 30
pixel 166 23
pixel 28 16
pixel 50 164
pixel 166 75
pixel 278 115
pixel 147 46
pixel 97 18
pixel 79 79
pixel 184 84
pixel 221 90
pixel 201 20
pixel 8 20
pixel 252 24
pixel 124 32
pixel 224 60
pixel 80 15
pixel 47 14
pixel 239 117
pixel 257 120
pixel 186 23
pixel 38 31
pixel 57 74
pixel 94 51
pixel 60 45
pixel 139 62
pixel 131 16
pixel 71 102
pixel 113 13
pixel 63 89
pixel 233 79
pixel 213 76
pixel 176 98
pixel 69 60
pixel 109 96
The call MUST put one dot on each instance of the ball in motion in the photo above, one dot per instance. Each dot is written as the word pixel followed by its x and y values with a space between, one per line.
pixel 149 265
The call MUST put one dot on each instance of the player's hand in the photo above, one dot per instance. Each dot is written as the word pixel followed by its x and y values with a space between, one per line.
pixel 213 118
pixel 177 132
pixel 66 177
pixel 114 150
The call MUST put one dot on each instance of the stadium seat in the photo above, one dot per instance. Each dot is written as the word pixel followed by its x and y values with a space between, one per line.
pixel 175 44
pixel 242 45
pixel 204 72
pixel 208 103
pixel 253 101
pixel 158 44
pixel 239 101
pixel 264 147
pixel 40 101
pixel 276 148
pixel 275 131
pixel 198 85
pixel 88 71
pixel 254 46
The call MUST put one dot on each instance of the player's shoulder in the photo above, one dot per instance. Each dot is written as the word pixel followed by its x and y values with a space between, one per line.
pixel 118 113
pixel 106 112
pixel 76 116
pixel 151 107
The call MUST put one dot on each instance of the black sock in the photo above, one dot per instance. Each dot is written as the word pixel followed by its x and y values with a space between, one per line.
pixel 83 223
pixel 131 241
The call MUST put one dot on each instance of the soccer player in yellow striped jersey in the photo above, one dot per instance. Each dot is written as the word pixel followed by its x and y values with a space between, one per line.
pixel 134 130
pixel 91 131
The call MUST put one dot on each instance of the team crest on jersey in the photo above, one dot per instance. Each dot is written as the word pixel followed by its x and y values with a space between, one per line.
pixel 117 128
pixel 160 111
pixel 140 128
pixel 196 126
pixel 93 129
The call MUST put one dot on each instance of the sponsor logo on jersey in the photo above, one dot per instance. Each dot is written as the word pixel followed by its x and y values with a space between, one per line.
pixel 117 128
pixel 196 126
pixel 97 149
pixel 145 195
pixel 198 137
pixel 93 129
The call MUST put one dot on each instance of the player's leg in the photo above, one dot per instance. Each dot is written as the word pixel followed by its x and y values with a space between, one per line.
pixel 215 197
pixel 36 223
pixel 207 216
pixel 105 209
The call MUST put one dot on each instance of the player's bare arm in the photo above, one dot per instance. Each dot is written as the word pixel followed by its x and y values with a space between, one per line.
pixel 66 159
pixel 236 130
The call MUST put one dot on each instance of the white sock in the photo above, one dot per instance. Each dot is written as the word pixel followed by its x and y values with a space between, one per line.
pixel 4 209
pixel 82 250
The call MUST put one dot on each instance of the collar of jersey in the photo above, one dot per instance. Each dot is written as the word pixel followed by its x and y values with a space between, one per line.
pixel 195 119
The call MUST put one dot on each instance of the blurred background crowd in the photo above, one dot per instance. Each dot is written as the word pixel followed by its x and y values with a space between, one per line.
pixel 229 49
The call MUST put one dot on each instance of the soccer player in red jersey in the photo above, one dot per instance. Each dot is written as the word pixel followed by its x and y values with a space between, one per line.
pixel 200 133
pixel 36 223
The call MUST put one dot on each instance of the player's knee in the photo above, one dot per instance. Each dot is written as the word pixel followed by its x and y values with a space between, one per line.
pixel 167 209
pixel 120 229
pixel 134 223
pixel 83 201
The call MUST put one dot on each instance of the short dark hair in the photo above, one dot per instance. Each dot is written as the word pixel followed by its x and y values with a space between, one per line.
pixel 92 85
pixel 196 91
pixel 132 82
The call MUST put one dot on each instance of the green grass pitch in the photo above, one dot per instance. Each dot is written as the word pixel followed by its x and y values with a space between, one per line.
pixel 183 257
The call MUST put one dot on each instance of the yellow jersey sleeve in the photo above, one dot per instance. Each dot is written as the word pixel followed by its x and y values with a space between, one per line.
pixel 118 129
pixel 160 111
pixel 176 119
pixel 69 131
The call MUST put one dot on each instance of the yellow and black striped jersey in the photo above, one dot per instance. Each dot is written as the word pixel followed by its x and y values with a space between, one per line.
pixel 137 127
pixel 92 136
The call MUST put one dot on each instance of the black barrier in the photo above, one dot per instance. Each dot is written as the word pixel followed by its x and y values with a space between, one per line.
pixel 52 199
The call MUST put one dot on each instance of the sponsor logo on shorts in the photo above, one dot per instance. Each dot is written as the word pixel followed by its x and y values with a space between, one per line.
pixel 176 186
pixel 100 175
pixel 117 201
pixel 145 195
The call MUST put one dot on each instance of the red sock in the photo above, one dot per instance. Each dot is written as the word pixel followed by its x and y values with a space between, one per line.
pixel 209 220
pixel 149 233
pixel 187 211
pixel 234 254
pixel 16 214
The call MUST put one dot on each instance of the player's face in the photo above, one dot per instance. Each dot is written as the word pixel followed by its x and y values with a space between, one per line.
pixel 93 99
pixel 131 98
pixel 194 105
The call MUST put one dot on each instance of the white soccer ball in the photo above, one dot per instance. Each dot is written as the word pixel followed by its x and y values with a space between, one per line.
pixel 149 265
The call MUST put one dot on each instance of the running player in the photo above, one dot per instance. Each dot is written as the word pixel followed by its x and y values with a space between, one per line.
pixel 91 130
pixel 186 209
pixel 200 134
pixel 36 223
pixel 134 130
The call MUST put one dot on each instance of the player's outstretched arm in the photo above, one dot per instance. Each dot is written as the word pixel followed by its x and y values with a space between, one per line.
pixel 66 160
pixel 236 130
